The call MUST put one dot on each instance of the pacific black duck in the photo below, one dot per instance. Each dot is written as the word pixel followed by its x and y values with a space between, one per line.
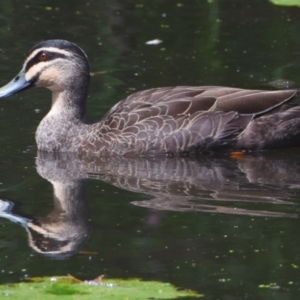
pixel 180 120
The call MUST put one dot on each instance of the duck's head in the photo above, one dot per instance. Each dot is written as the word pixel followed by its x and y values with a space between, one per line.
pixel 54 64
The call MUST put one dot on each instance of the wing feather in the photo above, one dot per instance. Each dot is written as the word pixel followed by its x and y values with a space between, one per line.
pixel 189 118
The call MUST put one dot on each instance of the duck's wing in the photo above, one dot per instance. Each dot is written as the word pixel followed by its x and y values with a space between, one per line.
pixel 188 100
pixel 185 119
pixel 183 100
pixel 252 101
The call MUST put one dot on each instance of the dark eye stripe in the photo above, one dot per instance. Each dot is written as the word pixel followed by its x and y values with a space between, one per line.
pixel 36 60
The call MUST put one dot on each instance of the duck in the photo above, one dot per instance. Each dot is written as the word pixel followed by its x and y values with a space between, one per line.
pixel 167 121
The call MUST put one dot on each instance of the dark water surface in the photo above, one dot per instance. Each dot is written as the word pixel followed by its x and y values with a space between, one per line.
pixel 228 228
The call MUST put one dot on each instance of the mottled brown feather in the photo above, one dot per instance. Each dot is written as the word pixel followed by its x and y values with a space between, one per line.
pixel 190 119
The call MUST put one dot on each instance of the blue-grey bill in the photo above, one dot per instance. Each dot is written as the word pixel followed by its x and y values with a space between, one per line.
pixel 18 84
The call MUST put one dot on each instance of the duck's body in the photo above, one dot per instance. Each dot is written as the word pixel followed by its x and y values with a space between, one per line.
pixel 163 121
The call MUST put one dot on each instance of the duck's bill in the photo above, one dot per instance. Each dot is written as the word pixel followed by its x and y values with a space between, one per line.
pixel 18 84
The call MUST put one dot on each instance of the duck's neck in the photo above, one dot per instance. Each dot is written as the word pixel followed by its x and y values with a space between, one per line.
pixel 67 105
pixel 58 131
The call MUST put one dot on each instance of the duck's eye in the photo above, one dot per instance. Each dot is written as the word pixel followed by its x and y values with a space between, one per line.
pixel 43 56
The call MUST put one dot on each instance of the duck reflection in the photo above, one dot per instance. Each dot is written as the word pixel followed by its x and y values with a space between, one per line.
pixel 206 184
pixel 188 184
pixel 62 232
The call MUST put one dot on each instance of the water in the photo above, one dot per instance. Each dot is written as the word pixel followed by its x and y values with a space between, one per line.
pixel 228 228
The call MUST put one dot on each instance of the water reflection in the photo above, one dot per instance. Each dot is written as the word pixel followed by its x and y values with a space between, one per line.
pixel 230 186
pixel 62 232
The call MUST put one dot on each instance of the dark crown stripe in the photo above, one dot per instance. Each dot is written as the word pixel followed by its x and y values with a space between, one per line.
pixel 36 60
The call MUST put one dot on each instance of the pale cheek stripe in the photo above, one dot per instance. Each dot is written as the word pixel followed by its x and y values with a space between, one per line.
pixel 37 69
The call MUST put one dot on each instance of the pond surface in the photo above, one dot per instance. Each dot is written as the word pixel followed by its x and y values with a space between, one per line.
pixel 228 228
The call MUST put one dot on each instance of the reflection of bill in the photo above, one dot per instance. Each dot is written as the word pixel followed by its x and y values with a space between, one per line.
pixel 230 186
pixel 6 211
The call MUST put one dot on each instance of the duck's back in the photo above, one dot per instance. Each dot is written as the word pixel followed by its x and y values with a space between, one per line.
pixel 183 120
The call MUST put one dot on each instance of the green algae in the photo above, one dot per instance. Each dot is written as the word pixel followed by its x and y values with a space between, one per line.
pixel 70 288
pixel 286 2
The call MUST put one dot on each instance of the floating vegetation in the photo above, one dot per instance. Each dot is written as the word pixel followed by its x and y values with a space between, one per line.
pixel 286 2
pixel 69 287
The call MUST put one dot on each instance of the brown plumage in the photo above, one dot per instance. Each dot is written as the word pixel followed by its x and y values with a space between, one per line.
pixel 185 120
pixel 163 121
